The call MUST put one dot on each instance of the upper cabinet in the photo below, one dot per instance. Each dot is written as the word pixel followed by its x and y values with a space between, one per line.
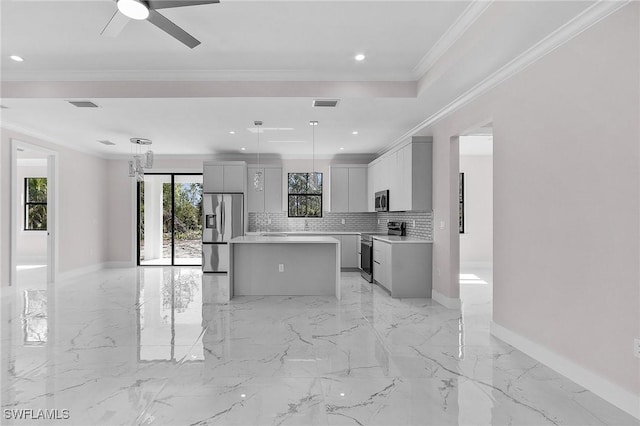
pixel 407 173
pixel 224 176
pixel 270 198
pixel 349 188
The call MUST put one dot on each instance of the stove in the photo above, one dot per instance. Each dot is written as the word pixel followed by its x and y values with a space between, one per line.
pixel 366 247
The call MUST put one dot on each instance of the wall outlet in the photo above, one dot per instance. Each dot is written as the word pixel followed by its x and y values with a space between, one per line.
pixel 343 221
pixel 636 347
pixel 281 267
pixel 413 223
pixel 378 221
pixel 269 221
pixel 442 224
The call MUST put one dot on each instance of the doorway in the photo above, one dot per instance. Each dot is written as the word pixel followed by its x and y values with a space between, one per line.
pixel 33 215
pixel 475 206
pixel 169 219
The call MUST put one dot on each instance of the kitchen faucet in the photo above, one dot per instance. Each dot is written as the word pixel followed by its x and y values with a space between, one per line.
pixel 306 224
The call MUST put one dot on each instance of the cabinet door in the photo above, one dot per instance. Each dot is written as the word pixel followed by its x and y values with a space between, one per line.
pixel 272 189
pixel 349 254
pixel 359 250
pixel 234 178
pixel 386 256
pixel 255 199
pixel 357 189
pixel 339 189
pixel 379 264
pixel 213 178
pixel 370 189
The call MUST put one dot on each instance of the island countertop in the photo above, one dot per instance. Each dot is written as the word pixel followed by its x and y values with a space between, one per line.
pixel 263 239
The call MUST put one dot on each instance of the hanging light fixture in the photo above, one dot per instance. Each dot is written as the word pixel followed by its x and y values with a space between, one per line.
pixel 314 174
pixel 140 161
pixel 258 176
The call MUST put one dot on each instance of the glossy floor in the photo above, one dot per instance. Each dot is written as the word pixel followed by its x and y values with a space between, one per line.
pixel 164 346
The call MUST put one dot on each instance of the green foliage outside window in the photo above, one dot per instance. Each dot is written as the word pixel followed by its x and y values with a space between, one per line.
pixel 305 194
pixel 35 206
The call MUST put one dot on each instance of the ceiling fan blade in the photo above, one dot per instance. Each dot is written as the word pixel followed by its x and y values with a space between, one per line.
pixel 115 25
pixel 172 29
pixel 165 4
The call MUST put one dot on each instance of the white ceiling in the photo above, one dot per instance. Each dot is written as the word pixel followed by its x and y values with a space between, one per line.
pixel 259 60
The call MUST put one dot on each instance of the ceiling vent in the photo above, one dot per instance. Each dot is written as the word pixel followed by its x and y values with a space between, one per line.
pixel 327 103
pixel 106 143
pixel 83 104
pixel 4 107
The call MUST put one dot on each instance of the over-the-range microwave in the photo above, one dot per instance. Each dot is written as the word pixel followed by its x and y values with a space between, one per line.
pixel 382 201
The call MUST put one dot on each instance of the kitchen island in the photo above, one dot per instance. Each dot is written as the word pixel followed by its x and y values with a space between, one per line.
pixel 284 266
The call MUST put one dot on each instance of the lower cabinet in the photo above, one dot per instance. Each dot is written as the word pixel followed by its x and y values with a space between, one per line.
pixel 349 255
pixel 404 269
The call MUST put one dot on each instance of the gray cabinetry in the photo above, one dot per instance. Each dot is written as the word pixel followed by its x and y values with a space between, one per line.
pixel 349 251
pixel 224 176
pixel 349 188
pixel 270 198
pixel 404 269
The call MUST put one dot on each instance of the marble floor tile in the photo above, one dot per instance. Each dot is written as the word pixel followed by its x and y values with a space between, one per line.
pixel 166 346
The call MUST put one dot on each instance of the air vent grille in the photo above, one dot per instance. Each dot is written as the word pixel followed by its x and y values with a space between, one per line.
pixel 83 104
pixel 4 107
pixel 325 103
pixel 106 143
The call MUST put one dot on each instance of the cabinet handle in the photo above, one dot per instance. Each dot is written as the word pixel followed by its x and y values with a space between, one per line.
pixel 375 261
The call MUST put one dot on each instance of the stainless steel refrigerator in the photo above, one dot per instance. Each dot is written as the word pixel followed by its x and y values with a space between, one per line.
pixel 223 219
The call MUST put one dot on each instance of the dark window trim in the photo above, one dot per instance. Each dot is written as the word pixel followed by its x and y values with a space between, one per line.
pixel 305 194
pixel 173 213
pixel 28 203
pixel 461 203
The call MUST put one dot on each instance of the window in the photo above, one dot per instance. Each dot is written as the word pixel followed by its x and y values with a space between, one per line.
pixel 35 204
pixel 461 203
pixel 305 194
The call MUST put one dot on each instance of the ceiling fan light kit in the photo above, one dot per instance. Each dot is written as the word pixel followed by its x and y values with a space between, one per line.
pixel 134 9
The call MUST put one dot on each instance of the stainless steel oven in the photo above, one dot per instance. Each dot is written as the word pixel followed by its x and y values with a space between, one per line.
pixel 366 257
pixel 366 247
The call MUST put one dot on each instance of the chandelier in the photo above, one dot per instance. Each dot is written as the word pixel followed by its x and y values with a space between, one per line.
pixel 140 160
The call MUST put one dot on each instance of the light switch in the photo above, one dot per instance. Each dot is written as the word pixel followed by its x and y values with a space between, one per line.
pixel 343 221
pixel 442 224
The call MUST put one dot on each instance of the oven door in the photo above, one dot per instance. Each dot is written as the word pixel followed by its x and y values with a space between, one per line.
pixel 366 260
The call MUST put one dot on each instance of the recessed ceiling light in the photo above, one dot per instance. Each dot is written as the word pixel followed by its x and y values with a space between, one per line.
pixel 341 148
pixel 243 149
pixel 359 57
pixel 313 123
pixel 17 58
pixel 133 9
pixel 355 132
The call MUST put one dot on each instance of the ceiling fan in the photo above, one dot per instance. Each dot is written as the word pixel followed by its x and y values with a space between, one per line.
pixel 147 10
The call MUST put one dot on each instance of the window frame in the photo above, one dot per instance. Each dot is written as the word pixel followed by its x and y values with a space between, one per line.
pixel 28 204
pixel 305 194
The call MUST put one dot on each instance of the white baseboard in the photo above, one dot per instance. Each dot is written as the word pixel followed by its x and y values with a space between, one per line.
pixel 121 264
pixel 447 302
pixel 614 394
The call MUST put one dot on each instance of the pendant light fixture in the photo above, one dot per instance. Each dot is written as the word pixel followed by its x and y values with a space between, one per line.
pixel 258 176
pixel 314 174
pixel 140 161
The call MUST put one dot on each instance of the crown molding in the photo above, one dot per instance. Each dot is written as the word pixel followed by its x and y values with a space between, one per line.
pixel 32 133
pixel 468 17
pixel 276 75
pixel 589 17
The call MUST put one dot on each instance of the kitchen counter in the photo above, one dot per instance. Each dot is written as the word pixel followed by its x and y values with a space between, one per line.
pixel 285 265
pixel 268 233
pixel 285 239
pixel 398 239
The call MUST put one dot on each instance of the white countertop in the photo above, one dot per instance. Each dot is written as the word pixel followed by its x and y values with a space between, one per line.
pixel 263 239
pixel 398 239
pixel 308 232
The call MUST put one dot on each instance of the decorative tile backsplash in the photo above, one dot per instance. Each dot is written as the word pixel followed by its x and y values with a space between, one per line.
pixel 356 222
pixel 280 222
pixel 423 228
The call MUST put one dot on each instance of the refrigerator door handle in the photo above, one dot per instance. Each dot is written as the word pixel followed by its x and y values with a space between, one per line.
pixel 223 219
